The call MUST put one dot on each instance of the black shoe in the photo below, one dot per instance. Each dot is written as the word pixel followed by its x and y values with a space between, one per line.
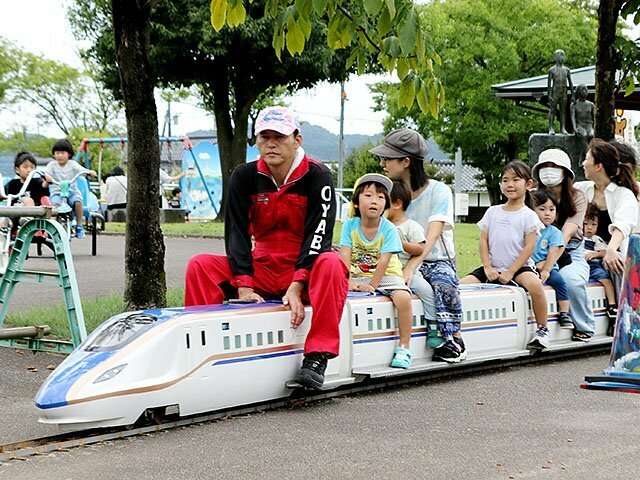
pixel 461 346
pixel 311 375
pixel 447 352
pixel 612 312
pixel 581 337
pixel 565 322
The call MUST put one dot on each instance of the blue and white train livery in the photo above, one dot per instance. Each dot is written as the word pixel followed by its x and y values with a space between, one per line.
pixel 201 359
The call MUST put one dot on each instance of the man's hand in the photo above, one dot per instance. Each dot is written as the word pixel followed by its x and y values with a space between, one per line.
pixel 247 294
pixel 93 173
pixel 47 178
pixel 292 299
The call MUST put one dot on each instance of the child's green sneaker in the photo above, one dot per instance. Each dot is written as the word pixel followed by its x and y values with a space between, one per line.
pixel 434 337
pixel 402 358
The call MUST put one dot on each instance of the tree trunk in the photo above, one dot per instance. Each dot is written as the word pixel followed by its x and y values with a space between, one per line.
pixel 144 246
pixel 232 136
pixel 606 66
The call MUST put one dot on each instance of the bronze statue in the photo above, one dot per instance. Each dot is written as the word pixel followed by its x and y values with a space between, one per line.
pixel 582 112
pixel 557 80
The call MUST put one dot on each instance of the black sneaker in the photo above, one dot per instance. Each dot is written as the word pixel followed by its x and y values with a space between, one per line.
pixel 612 312
pixel 311 374
pixel 564 320
pixel 581 337
pixel 461 346
pixel 447 352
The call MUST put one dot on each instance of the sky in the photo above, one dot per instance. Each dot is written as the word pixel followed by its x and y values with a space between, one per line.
pixel 41 26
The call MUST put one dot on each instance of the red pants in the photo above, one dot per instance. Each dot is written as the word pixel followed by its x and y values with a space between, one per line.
pixel 208 278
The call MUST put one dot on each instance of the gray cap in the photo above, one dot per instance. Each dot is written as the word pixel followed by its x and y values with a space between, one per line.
pixel 402 143
pixel 386 182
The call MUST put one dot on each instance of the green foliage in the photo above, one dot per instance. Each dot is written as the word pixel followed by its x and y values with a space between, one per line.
pixel 9 61
pixel 14 142
pixel 65 96
pixel 388 32
pixel 485 42
pixel 359 162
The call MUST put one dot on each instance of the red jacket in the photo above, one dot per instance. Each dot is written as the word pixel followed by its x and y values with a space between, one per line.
pixel 290 225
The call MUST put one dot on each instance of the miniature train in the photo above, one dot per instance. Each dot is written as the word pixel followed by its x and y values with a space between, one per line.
pixel 201 359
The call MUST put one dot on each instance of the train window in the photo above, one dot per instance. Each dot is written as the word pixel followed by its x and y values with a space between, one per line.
pixel 388 323
pixel 280 336
pixel 490 314
pixel 270 338
pixel 379 324
pixel 188 341
pixel 415 324
pixel 468 315
pixel 504 312
pixel 423 321
pixel 370 325
pixel 259 339
pixel 203 338
pixel 226 343
pixel 475 315
pixel 126 328
pixel 369 310
pixel 357 321
pixel 497 313
pixel 238 341
pixel 225 326
pixel 395 322
pixel 482 313
pixel 249 340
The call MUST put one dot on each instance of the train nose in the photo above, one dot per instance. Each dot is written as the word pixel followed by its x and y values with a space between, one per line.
pixel 53 392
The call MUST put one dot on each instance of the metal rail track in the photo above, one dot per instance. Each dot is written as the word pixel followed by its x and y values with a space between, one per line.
pixel 63 442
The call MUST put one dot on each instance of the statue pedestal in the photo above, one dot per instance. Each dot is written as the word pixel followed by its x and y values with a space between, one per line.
pixel 574 145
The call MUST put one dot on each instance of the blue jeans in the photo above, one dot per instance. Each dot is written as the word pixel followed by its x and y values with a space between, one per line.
pixel 423 289
pixel 577 276
pixel 556 281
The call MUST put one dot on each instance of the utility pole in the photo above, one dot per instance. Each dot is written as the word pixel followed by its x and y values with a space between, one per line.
pixel 167 120
pixel 343 97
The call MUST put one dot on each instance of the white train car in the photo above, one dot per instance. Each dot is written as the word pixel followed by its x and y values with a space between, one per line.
pixel 195 360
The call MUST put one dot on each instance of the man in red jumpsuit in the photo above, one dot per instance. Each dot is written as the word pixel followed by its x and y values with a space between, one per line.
pixel 285 201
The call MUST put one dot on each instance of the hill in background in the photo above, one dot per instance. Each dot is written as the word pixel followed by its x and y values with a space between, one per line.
pixel 321 144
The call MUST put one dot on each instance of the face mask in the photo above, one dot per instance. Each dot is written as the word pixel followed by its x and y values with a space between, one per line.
pixel 551 176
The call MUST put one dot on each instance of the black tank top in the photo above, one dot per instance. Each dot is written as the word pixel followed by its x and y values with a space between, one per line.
pixel 603 225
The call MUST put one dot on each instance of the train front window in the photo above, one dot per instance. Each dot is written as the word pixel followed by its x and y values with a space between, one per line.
pixel 125 329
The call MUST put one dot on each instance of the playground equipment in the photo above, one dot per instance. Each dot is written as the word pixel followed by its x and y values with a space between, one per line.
pixel 32 337
pixel 173 150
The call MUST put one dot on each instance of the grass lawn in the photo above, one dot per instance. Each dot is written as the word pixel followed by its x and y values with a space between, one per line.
pixel 97 310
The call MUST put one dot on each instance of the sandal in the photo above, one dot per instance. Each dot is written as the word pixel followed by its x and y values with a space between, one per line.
pixel 402 358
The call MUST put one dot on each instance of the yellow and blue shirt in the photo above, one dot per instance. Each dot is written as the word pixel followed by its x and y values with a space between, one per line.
pixel 365 254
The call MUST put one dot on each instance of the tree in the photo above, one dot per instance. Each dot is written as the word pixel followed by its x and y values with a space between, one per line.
pixel 482 43
pixel 8 65
pixel 144 246
pixel 65 96
pixel 613 53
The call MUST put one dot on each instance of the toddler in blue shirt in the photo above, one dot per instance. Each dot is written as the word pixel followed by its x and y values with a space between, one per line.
pixel 549 247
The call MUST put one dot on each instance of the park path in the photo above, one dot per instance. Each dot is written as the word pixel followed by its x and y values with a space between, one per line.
pixel 104 273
